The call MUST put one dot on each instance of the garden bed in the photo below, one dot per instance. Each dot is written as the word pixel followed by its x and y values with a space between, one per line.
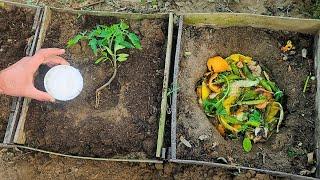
pixel 125 124
pixel 15 34
pixel 285 151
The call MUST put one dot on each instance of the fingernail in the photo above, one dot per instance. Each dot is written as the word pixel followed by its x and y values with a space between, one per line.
pixel 53 100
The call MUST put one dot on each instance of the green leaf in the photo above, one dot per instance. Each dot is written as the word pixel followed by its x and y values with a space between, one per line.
pixel 118 47
pixel 74 40
pixel 253 123
pixel 278 95
pixel 247 145
pixel 99 60
pixel 255 116
pixel 243 128
pixel 109 50
pixel 93 45
pixel 122 57
pixel 126 44
pixel 135 40
pixel 106 33
pixel 231 120
pixel 119 38
pixel 123 26
pixel 100 43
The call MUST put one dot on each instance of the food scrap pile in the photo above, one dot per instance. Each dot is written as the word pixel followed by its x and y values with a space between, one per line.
pixel 239 95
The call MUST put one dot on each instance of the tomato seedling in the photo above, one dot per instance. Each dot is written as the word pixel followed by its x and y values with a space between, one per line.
pixel 107 42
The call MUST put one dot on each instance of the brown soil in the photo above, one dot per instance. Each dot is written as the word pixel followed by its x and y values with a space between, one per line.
pixel 39 166
pixel 125 124
pixel 297 132
pixel 15 31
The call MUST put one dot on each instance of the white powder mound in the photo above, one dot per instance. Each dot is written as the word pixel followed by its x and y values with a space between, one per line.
pixel 63 82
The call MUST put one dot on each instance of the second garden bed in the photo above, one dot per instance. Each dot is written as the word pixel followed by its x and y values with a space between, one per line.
pixel 285 151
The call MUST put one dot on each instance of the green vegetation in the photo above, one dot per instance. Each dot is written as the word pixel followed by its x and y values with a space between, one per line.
pixel 108 43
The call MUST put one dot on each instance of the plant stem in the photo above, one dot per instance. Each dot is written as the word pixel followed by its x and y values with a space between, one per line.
pixel 110 80
pixel 106 84
pixel 306 84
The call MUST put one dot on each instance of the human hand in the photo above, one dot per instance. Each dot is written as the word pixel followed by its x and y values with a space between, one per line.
pixel 18 79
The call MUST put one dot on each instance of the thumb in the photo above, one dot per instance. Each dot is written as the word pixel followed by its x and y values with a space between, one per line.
pixel 41 96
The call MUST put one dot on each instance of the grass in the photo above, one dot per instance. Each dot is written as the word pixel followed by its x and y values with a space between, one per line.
pixel 292 153
pixel 316 10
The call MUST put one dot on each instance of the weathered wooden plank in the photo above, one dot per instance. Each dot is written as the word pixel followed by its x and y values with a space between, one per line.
pixel 124 15
pixel 317 119
pixel 19 136
pixel 310 26
pixel 175 93
pixel 163 112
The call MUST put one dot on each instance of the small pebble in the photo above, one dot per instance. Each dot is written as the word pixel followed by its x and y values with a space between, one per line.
pixel 285 58
pixel 304 53
pixel 203 137
pixel 310 158
pixel 187 53
pixel 292 52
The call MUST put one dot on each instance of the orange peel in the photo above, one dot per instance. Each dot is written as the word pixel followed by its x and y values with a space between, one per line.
pixel 217 64
pixel 289 46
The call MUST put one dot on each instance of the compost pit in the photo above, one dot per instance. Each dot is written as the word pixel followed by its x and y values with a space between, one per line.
pixel 125 124
pixel 15 32
pixel 284 151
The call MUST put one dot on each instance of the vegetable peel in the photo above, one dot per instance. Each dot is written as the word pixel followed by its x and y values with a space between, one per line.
pixel 217 64
pixel 242 97
pixel 205 91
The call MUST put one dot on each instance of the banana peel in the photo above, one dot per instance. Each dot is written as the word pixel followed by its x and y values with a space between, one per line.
pixel 205 91
pixel 229 102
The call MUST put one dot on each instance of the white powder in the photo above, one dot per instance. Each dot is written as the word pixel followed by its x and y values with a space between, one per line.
pixel 63 82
